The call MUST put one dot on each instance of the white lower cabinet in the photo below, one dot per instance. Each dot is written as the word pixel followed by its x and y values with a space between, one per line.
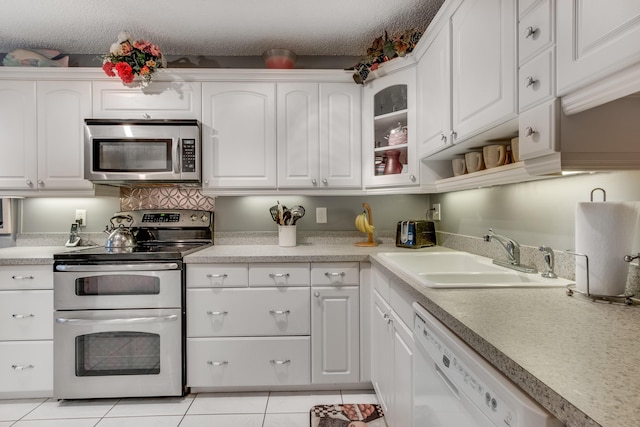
pixel 264 325
pixel 247 361
pixel 26 331
pixel 392 348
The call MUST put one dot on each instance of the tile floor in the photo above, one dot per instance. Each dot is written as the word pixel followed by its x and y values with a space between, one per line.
pixel 260 409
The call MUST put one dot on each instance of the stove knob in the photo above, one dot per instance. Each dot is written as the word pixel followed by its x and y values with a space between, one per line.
pixel 194 217
pixel 204 218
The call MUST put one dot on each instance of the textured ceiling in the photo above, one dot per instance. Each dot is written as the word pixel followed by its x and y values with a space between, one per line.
pixel 210 27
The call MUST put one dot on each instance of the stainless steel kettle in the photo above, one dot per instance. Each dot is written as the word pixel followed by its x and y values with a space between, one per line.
pixel 120 236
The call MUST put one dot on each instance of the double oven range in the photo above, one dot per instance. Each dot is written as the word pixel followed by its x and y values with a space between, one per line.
pixel 119 317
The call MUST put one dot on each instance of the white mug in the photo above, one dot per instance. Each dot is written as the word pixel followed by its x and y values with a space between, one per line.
pixel 494 155
pixel 474 161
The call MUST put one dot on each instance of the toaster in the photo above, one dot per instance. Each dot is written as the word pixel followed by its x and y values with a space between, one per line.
pixel 415 234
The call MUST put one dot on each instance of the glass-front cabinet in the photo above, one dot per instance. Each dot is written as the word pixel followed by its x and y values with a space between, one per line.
pixel 389 140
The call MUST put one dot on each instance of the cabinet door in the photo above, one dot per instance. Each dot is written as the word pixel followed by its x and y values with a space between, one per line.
pixel 340 136
pixel 595 39
pixel 382 351
pixel 484 65
pixel 390 103
pixel 18 135
pixel 159 100
pixel 335 334
pixel 27 369
pixel 297 130
pixel 62 108
pixel 403 348
pixel 434 95
pixel 238 135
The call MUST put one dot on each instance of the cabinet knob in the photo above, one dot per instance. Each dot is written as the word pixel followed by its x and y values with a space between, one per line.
pixel 206 182
pixel 314 182
pixel 443 137
pixel 40 182
pixel 325 182
pixel 529 131
pixel 529 81
pixel 316 294
pixel 412 178
pixel 29 183
pixel 146 116
pixel 453 134
pixel 530 32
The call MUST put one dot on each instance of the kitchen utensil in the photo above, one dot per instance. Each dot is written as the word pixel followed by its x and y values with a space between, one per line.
pixel 273 210
pixel 297 212
pixel 121 236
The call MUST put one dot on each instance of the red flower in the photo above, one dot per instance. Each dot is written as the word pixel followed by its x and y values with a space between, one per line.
pixel 107 67
pixel 125 72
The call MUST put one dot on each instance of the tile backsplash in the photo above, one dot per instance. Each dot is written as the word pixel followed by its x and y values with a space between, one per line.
pixel 161 197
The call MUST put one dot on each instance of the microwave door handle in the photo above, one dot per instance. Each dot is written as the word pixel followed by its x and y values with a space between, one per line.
pixel 177 156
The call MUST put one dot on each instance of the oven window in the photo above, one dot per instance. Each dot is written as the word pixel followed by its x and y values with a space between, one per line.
pixel 136 155
pixel 117 353
pixel 121 284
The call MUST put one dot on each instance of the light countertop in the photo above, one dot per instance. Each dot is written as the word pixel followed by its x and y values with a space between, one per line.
pixel 576 357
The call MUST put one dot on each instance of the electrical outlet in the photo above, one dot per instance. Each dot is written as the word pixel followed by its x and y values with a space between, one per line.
pixel 321 215
pixel 437 213
pixel 81 217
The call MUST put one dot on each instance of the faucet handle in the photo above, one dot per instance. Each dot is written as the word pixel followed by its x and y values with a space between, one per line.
pixel 548 262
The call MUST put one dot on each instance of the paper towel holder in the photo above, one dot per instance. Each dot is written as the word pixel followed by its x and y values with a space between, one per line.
pixel 626 299
pixel 604 195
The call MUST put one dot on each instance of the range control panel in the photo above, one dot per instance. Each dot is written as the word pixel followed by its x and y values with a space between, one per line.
pixel 170 218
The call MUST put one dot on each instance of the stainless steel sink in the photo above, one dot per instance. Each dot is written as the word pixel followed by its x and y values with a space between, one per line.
pixel 449 270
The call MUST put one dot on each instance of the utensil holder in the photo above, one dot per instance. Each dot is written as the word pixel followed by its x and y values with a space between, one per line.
pixel 287 235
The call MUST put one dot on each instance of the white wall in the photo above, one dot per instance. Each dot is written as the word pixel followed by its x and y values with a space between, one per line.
pixel 533 213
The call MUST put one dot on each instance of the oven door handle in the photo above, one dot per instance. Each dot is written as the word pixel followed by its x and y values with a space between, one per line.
pixel 119 267
pixel 123 321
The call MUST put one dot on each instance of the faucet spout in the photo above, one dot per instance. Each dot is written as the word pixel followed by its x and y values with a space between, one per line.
pixel 512 249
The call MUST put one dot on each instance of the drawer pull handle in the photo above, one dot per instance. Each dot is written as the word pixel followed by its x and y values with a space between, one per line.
pixel 529 81
pixel 280 312
pixel 529 131
pixel 280 362
pixel 22 316
pixel 443 137
pixel 279 275
pixel 212 363
pixel 217 313
pixel 217 276
pixel 530 32
pixel 22 277
pixel 21 368
pixel 341 274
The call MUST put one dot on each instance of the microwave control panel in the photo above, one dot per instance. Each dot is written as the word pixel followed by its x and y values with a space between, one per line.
pixel 188 155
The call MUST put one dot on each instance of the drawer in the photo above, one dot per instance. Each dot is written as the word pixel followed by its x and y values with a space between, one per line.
pixel 26 367
pixel 26 315
pixel 335 274
pixel 248 312
pixel 26 277
pixel 536 31
pixel 537 80
pixel 279 274
pixel 255 361
pixel 380 283
pixel 217 275
pixel 538 130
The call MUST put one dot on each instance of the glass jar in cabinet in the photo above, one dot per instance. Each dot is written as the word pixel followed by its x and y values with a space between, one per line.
pixel 389 146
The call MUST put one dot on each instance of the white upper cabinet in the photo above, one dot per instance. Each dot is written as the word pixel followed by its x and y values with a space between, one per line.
pixel 390 107
pixel 434 95
pixel 318 128
pixel 483 65
pixel 41 135
pixel 159 100
pixel 595 39
pixel 238 136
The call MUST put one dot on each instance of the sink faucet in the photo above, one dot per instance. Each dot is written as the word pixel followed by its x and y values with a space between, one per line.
pixel 548 262
pixel 512 250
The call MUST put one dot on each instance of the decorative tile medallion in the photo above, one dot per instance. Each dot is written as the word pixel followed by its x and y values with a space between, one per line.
pixel 132 199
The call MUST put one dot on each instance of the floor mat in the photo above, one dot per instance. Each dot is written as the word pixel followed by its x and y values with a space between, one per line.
pixel 352 415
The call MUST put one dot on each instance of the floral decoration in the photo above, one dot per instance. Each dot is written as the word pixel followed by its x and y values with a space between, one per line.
pixel 128 58
pixel 384 49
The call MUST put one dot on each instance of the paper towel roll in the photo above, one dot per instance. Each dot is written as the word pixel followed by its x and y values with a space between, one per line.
pixel 605 232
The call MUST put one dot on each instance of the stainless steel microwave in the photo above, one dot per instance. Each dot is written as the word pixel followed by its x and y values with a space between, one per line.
pixel 139 151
